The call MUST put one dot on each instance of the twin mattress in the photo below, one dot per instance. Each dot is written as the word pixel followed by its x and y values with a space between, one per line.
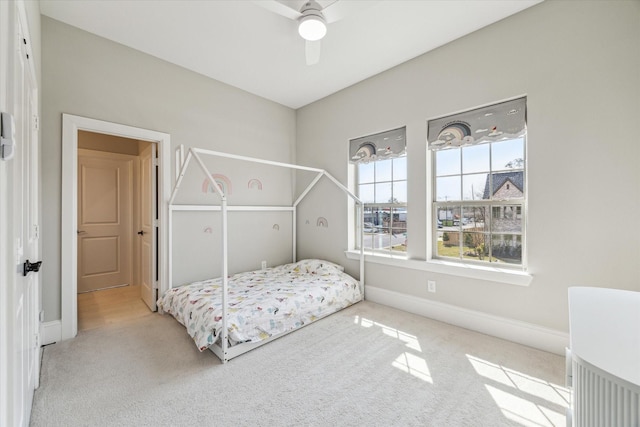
pixel 262 303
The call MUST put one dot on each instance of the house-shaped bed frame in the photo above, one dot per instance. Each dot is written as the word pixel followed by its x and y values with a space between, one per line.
pixel 221 348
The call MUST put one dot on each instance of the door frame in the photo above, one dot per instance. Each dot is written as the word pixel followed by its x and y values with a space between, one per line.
pixel 71 124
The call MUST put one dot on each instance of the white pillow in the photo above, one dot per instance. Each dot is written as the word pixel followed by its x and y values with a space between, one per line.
pixel 316 266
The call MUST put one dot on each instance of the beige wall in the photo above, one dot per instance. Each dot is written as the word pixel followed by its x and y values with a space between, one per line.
pixel 579 65
pixel 580 72
pixel 90 76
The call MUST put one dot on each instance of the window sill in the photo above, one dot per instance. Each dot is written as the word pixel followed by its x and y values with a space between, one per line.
pixel 492 274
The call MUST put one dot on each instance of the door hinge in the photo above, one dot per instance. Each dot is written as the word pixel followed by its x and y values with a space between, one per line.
pixel 41 316
pixel 155 223
pixel 36 123
pixel 155 162
pixel 36 344
pixel 36 231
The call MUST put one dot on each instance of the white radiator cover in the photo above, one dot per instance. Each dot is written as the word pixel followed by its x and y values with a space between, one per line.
pixel 601 399
pixel 603 364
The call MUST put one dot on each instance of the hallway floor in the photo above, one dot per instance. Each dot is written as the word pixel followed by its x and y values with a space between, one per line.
pixel 108 306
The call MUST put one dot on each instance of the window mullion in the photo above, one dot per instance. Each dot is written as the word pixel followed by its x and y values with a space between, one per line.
pixel 374 182
pixel 491 220
pixel 460 233
pixel 391 181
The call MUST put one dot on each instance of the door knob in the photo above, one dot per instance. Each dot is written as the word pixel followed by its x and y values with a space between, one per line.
pixel 141 232
pixel 28 266
pixel 80 231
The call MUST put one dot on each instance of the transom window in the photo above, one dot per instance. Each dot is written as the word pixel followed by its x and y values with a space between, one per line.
pixel 479 184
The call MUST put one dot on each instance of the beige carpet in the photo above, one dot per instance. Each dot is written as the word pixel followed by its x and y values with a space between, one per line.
pixel 368 365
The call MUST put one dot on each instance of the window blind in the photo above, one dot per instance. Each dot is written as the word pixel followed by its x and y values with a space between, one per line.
pixel 497 122
pixel 380 146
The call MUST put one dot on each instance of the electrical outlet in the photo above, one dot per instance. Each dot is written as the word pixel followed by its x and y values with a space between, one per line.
pixel 431 285
pixel 264 265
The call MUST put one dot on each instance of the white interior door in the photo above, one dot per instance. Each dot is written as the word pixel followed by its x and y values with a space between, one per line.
pixel 25 292
pixel 105 211
pixel 148 221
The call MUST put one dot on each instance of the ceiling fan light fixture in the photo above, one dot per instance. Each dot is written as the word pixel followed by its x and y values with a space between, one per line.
pixel 312 27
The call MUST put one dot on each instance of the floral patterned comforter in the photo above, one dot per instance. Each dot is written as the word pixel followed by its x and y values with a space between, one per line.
pixel 262 303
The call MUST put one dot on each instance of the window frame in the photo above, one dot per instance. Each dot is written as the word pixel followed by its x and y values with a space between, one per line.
pixel 491 203
pixel 382 205
pixel 472 137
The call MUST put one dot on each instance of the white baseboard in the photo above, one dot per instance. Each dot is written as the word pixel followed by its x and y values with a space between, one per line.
pixel 513 330
pixel 51 332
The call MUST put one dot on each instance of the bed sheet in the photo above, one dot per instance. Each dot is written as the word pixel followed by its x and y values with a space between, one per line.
pixel 262 303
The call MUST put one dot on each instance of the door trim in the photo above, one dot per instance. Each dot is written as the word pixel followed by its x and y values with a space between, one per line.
pixel 70 126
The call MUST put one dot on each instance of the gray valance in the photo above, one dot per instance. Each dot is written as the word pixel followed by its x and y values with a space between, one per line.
pixel 383 145
pixel 502 121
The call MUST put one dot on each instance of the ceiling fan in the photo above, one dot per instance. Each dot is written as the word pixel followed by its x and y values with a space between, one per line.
pixel 312 19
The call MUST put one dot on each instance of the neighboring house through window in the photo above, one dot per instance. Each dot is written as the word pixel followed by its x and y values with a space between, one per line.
pixel 479 184
pixel 381 183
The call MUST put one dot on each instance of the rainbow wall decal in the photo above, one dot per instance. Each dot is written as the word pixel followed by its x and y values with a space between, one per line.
pixel 208 230
pixel 322 222
pixel 276 227
pixel 254 183
pixel 223 182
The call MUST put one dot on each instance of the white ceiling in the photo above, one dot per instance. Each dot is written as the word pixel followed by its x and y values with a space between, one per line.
pixel 243 44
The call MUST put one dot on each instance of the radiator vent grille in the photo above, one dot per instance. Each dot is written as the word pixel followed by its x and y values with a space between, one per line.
pixel 601 399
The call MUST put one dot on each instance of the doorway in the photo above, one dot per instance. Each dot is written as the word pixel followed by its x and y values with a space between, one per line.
pixel 71 128
pixel 116 240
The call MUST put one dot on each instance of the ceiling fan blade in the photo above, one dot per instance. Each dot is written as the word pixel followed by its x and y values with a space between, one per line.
pixel 342 8
pixel 279 8
pixel 312 52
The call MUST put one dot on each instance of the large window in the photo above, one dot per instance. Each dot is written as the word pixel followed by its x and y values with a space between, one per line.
pixel 479 184
pixel 381 183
